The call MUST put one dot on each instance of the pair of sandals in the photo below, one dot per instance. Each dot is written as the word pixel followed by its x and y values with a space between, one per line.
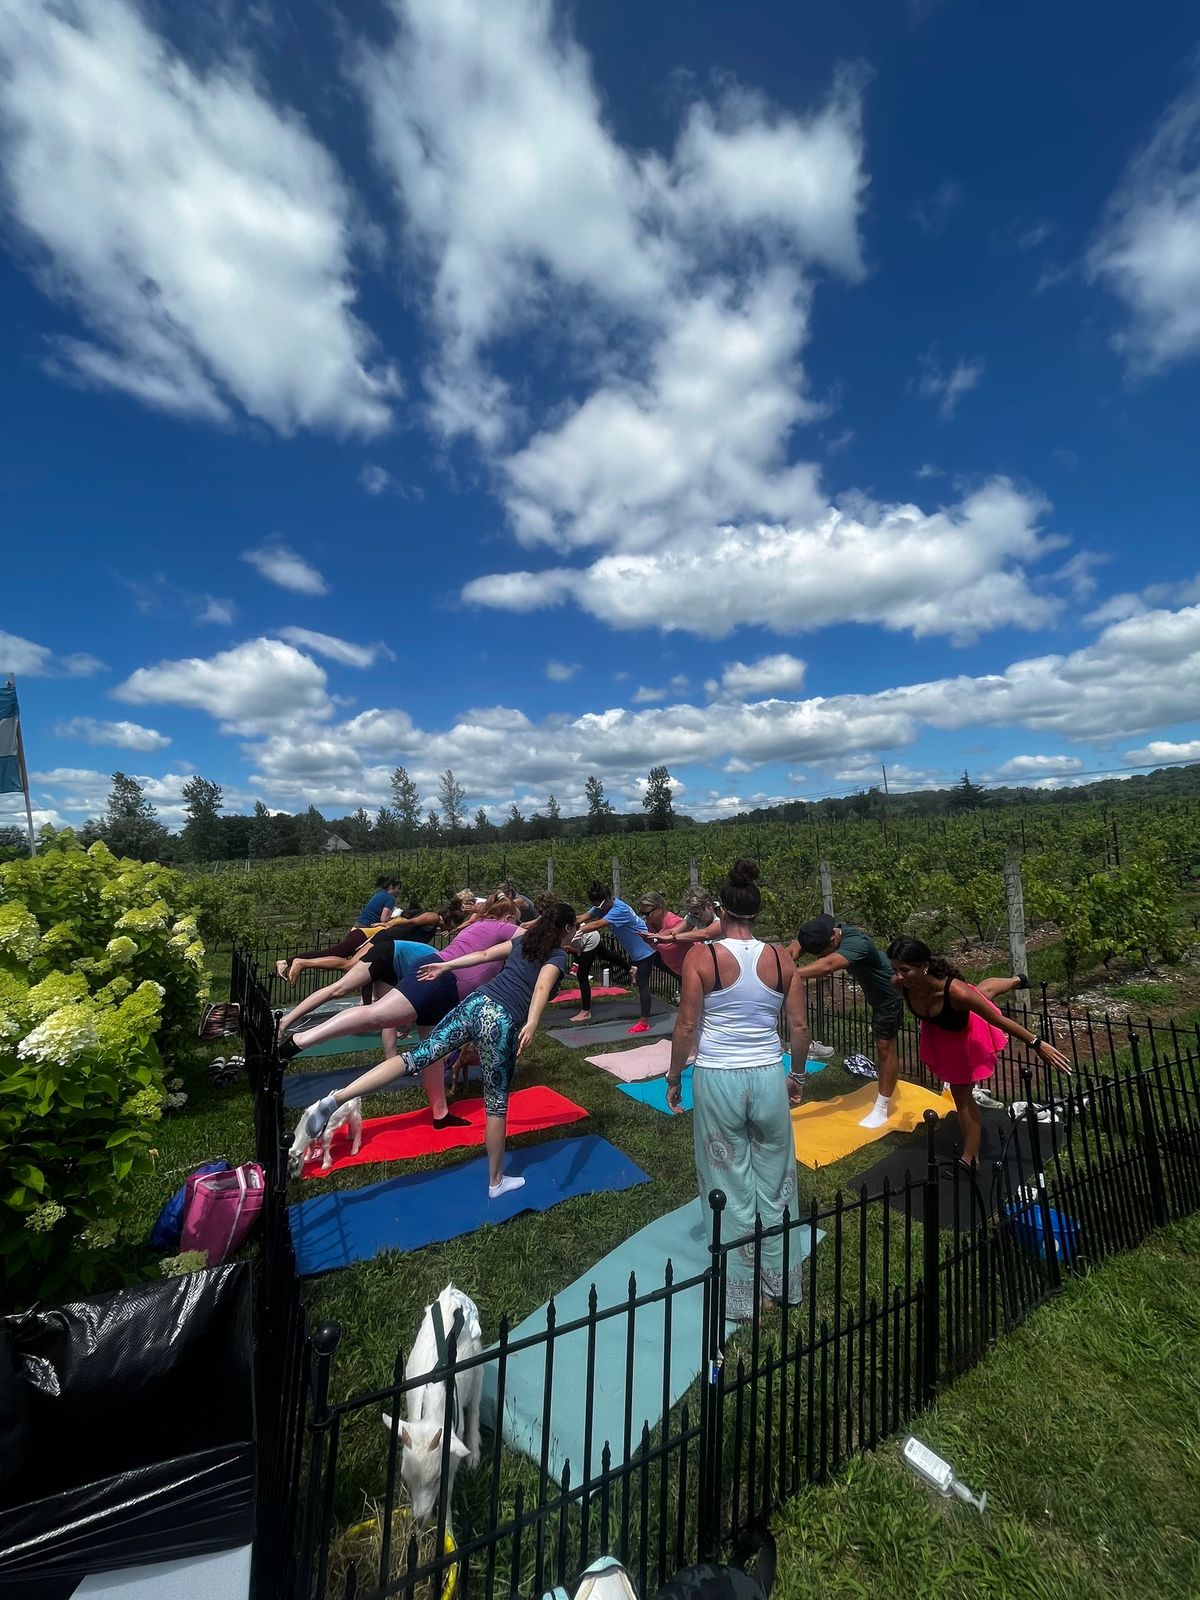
pixel 226 1071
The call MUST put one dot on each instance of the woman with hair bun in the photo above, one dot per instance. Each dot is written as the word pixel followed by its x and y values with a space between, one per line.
pixel 961 1031
pixel 732 993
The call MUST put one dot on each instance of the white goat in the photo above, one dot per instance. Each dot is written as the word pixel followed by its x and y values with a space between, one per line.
pixel 347 1116
pixel 421 1435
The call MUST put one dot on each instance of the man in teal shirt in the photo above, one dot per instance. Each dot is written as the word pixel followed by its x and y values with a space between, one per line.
pixel 838 947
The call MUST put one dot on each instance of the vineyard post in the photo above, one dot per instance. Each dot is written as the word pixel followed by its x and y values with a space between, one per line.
pixel 616 877
pixel 549 873
pixel 693 872
pixel 826 888
pixel 1014 895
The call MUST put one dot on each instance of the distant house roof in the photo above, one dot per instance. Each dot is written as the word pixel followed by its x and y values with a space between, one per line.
pixel 336 842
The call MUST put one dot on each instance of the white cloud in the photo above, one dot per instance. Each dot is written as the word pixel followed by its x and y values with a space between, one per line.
pixel 1162 751
pixel 933 213
pixel 375 480
pixel 763 676
pixel 279 563
pixel 1036 233
pixel 325 644
pixel 119 735
pixel 219 612
pixel 1037 767
pixel 957 571
pixel 1148 249
pixel 948 385
pixel 562 671
pixel 29 660
pixel 648 697
pixel 251 688
pixel 200 230
pixel 1136 603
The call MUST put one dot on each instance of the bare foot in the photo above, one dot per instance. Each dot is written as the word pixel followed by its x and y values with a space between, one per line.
pixel 281 969
pixel 582 1016
pixel 293 972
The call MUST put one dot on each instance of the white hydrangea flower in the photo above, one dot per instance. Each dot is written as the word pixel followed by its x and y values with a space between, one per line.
pixel 19 932
pixel 10 1028
pixel 122 949
pixel 150 919
pixel 64 1035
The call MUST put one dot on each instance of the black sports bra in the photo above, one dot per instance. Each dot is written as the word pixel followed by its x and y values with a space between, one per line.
pixel 717 984
pixel 948 1018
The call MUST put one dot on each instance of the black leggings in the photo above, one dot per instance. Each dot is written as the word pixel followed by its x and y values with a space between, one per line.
pixel 583 965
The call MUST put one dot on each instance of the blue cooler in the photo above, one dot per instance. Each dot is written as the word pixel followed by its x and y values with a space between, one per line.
pixel 1029 1230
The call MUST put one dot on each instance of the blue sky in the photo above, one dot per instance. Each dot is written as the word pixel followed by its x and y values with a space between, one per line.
pixel 537 392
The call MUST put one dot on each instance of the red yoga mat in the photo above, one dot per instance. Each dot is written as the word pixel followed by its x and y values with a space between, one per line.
pixel 572 996
pixel 413 1133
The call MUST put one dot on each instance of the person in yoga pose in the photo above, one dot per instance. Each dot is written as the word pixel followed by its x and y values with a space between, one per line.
pixel 839 947
pixel 403 1002
pixel 733 992
pixel 962 1031
pixel 606 911
pixel 377 911
pixel 500 1018
pixel 673 936
pixel 340 957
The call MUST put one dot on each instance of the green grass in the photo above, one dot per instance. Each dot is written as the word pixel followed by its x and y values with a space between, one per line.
pixel 1146 996
pixel 1083 1427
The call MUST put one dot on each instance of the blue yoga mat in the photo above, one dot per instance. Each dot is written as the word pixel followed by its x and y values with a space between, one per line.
pixel 334 1230
pixel 302 1088
pixel 682 1236
pixel 652 1092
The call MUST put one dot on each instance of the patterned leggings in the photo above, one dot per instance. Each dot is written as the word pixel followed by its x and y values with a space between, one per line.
pixel 493 1029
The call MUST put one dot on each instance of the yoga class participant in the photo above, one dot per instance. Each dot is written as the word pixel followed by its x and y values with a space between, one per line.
pixel 500 1018
pixel 961 1031
pixel 373 915
pixel 839 947
pixel 341 957
pixel 403 1002
pixel 733 992
pixel 608 912
pixel 377 972
pixel 672 936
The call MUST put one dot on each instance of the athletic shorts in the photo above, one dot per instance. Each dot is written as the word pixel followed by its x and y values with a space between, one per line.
pixel 431 1001
pixel 887 1018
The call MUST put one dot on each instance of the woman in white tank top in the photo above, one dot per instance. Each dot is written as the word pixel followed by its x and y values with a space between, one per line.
pixel 732 993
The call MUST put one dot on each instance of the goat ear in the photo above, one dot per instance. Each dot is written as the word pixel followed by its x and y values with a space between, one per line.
pixel 436 1442
pixel 406 1438
pixel 458 1448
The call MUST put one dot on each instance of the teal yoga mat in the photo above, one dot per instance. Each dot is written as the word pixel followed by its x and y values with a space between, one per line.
pixel 652 1092
pixel 682 1236
pixel 354 1041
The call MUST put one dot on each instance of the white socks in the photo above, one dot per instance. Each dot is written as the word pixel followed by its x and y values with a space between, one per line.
pixel 505 1186
pixel 878 1114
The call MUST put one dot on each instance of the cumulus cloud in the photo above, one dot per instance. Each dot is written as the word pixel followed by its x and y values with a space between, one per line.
pixel 763 676
pixel 948 385
pixel 29 660
pixel 279 563
pixel 201 232
pixel 957 571
pixel 1037 767
pixel 1136 603
pixel 119 735
pixel 342 650
pixel 249 689
pixel 1162 751
pixel 562 671
pixel 1147 251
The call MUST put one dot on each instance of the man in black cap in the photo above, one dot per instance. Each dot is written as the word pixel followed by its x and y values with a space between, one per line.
pixel 838 947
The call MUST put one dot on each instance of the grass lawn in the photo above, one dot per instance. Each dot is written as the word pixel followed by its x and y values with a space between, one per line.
pixel 1084 1429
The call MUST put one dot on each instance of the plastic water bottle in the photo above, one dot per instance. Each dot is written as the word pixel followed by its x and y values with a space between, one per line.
pixel 938 1474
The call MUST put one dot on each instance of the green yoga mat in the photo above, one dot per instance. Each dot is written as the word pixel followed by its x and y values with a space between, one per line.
pixel 355 1041
pixel 682 1236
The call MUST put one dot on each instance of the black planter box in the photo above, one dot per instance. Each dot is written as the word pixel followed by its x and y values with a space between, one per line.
pixel 131 1434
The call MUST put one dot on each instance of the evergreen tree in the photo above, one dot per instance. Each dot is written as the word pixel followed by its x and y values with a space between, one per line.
pixel 965 795
pixel 660 812
pixel 131 826
pixel 599 809
pixel 311 832
pixel 452 798
pixel 432 830
pixel 406 798
pixel 358 830
pixel 387 827
pixel 262 833
pixel 201 838
pixel 514 826
pixel 483 829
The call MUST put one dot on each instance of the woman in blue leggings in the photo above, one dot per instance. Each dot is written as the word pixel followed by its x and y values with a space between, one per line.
pixel 500 1018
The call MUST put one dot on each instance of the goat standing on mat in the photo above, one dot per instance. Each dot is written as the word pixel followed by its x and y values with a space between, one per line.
pixel 421 1435
pixel 303 1148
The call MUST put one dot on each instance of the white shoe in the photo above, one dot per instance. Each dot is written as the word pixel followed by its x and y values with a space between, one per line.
pixel 820 1052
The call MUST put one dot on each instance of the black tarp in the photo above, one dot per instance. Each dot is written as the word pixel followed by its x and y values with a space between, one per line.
pixel 141 1438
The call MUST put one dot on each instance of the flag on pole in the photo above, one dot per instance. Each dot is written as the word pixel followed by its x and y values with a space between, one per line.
pixel 12 779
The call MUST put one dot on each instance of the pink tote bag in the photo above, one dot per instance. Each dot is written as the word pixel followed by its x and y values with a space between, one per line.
pixel 220 1209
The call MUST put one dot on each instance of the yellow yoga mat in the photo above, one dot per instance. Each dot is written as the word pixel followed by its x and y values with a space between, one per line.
pixel 827 1130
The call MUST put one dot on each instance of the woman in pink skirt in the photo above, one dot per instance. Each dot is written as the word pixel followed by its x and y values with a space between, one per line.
pixel 962 1031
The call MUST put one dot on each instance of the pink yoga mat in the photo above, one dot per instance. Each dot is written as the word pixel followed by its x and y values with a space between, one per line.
pixel 572 996
pixel 632 1066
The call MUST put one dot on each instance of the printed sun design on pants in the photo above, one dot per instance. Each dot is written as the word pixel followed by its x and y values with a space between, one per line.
pixel 718 1151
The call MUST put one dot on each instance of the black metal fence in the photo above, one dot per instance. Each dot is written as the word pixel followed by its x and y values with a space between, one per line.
pixel 904 1286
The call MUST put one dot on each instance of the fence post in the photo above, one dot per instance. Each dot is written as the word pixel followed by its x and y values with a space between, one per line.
pixel 708 1531
pixel 1014 895
pixel 826 887
pixel 1159 1208
pixel 325 1343
pixel 931 1274
pixel 549 874
pixel 693 873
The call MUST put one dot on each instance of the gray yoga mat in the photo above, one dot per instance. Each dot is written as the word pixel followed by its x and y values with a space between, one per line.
pixel 614 1032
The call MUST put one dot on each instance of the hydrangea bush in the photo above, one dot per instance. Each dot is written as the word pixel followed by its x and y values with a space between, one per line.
pixel 98 977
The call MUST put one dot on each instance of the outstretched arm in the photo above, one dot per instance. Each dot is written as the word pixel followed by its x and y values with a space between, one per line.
pixel 494 952
pixel 822 967
pixel 549 975
pixel 964 998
